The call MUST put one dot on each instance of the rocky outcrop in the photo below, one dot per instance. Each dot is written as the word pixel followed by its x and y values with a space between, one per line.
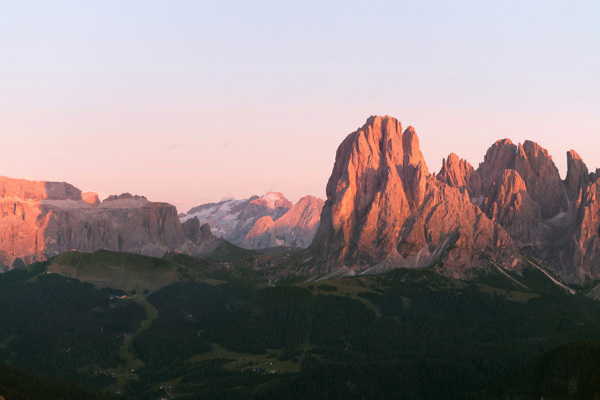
pixel 384 210
pixel 42 219
pixel 296 227
pixel 542 179
pixel 261 222
pixel 508 203
pixel 261 235
pixel 91 197
pixel 551 219
pixel 578 177
pixel 581 257
pixel 458 173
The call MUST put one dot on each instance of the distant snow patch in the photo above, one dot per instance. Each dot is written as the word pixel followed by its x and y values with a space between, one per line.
pixel 271 198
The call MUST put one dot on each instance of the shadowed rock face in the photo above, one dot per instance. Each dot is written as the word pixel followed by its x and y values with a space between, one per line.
pixel 261 222
pixel 42 219
pixel 554 220
pixel 385 210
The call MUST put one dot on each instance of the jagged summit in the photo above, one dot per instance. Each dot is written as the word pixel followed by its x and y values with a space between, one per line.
pixel 385 210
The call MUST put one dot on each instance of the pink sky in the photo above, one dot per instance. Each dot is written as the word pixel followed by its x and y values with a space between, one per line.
pixel 192 103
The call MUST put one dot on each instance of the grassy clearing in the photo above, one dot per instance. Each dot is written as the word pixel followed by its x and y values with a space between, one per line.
pixel 242 361
pixel 116 270
pixel 513 295
pixel 345 287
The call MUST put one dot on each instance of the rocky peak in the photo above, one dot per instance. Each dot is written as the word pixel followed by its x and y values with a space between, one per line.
pixel 124 196
pixel 499 157
pixel 91 198
pixel 384 208
pixel 542 178
pixel 412 152
pixel 509 204
pixel 536 168
pixel 458 173
pixel 272 200
pixel 578 177
pixel 37 190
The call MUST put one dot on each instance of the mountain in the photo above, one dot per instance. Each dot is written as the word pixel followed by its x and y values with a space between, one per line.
pixel 261 222
pixel 385 210
pixel 39 220
pixel 555 220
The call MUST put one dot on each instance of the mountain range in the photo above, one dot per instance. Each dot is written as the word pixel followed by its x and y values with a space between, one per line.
pixel 39 220
pixel 159 305
pixel 384 210
pixel 261 222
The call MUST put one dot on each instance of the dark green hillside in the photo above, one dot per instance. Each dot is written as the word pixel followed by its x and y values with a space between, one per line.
pixel 410 333
pixel 16 384
pixel 60 326
pixel 571 371
pixel 217 331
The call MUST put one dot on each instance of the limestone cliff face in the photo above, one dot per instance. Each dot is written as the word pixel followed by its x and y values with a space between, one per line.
pixel 578 178
pixel 580 258
pixel 385 210
pixel 261 222
pixel 42 219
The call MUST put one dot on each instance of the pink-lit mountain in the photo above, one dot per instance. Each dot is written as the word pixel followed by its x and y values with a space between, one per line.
pixel 39 220
pixel 385 210
pixel 261 222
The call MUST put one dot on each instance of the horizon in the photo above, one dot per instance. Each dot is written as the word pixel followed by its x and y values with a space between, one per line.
pixel 193 103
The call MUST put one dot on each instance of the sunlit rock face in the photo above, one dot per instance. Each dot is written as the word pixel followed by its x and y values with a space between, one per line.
pixel 42 219
pixel 261 222
pixel 384 210
pixel 458 173
pixel 91 197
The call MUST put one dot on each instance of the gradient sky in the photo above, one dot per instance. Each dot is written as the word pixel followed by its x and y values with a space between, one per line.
pixel 192 101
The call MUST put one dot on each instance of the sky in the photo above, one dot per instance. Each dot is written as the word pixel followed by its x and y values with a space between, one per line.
pixel 190 102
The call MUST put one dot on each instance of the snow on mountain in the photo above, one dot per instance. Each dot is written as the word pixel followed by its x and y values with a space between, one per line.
pixel 282 222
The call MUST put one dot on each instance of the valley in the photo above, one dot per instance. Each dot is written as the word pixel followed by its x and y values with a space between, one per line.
pixel 223 331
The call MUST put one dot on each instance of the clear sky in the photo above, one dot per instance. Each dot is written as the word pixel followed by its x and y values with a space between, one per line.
pixel 193 101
